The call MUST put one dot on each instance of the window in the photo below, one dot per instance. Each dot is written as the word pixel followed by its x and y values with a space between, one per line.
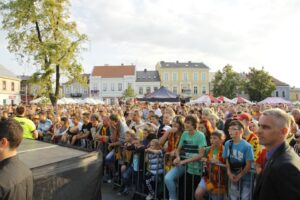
pixel 148 90
pixel 141 90
pixel 203 76
pixel 166 77
pixel 195 90
pixel 283 93
pixel 203 90
pixel 185 76
pixel 120 86
pixel 95 86
pixel 155 88
pixel 175 89
pixel 68 89
pixel 12 86
pixel 174 76
pixel 112 87
pixel 195 76
pixel 277 94
pixel 104 87
pixel 4 85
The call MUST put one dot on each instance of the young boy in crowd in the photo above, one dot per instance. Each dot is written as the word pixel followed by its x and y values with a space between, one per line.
pixel 126 168
pixel 155 167
pixel 214 182
pixel 238 154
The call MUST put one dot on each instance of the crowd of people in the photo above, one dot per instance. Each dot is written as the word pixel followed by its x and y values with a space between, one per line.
pixel 194 151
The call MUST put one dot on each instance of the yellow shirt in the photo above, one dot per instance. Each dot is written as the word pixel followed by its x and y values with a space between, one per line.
pixel 27 125
pixel 253 140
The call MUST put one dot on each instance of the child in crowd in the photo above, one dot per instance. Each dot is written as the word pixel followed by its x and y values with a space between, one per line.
pixel 214 182
pixel 238 154
pixel 126 168
pixel 155 167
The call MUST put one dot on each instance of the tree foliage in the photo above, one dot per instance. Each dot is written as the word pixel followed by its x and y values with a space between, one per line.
pixel 259 84
pixel 129 92
pixel 227 82
pixel 41 32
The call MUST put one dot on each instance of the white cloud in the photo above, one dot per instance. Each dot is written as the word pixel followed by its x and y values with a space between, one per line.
pixel 241 33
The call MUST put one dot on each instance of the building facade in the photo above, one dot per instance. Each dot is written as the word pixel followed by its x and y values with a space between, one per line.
pixel 282 89
pixel 74 89
pixel 146 82
pixel 109 82
pixel 9 87
pixel 188 79
pixel 295 94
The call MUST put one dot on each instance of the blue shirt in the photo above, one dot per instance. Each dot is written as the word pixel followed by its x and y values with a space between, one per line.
pixel 241 152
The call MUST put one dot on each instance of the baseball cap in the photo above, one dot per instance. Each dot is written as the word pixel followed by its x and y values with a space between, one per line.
pixel 245 116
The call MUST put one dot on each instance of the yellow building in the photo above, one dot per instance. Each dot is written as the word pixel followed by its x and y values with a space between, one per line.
pixel 188 79
pixel 295 94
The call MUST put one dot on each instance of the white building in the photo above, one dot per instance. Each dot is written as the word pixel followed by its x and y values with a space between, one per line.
pixel 109 82
pixel 9 87
pixel 146 82
pixel 74 89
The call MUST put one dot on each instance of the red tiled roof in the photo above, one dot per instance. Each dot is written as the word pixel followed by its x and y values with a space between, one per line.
pixel 113 71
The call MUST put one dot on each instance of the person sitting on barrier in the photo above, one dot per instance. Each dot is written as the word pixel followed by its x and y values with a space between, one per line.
pixel 44 126
pixel 172 137
pixel 238 154
pixel 191 145
pixel 155 168
pixel 73 129
pixel 126 169
pixel 213 182
pixel 85 132
pixel 60 129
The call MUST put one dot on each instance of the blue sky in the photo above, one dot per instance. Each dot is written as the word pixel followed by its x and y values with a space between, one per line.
pixel 244 33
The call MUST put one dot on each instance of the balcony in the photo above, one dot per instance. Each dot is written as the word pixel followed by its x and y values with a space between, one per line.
pixel 94 91
pixel 76 94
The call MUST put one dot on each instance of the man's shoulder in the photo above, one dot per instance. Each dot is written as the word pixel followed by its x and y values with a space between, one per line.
pixel 286 158
pixel 14 171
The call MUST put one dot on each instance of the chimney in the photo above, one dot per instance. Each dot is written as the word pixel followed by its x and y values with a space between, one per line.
pixel 190 62
pixel 145 70
pixel 177 61
pixel 122 64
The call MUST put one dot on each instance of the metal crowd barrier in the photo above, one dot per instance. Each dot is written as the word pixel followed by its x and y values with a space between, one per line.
pixel 222 189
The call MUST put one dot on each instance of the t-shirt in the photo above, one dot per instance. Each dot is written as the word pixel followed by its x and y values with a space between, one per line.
pixel 241 153
pixel 87 127
pixel 27 125
pixel 190 145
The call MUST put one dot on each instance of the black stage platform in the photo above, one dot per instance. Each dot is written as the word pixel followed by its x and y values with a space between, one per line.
pixel 61 172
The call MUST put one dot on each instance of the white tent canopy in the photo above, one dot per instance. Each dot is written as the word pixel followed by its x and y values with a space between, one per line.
pixel 65 100
pixel 274 100
pixel 39 100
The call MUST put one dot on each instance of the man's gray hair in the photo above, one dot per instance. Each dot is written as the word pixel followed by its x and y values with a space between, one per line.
pixel 282 118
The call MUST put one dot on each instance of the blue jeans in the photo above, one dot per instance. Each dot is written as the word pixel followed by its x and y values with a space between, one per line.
pixel 240 190
pixel 170 180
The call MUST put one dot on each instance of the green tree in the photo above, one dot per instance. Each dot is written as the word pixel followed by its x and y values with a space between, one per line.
pixel 41 33
pixel 259 84
pixel 227 82
pixel 129 92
